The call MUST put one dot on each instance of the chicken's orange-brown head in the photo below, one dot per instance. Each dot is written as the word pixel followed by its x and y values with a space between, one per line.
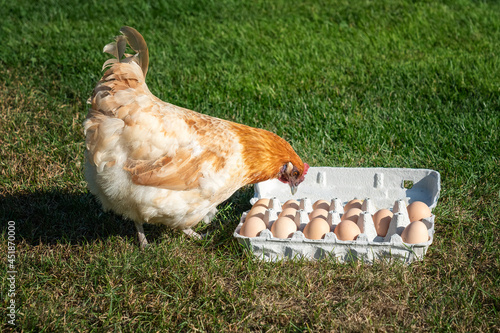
pixel 292 175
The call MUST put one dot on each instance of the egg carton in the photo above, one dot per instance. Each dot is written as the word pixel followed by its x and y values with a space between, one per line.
pixel 389 188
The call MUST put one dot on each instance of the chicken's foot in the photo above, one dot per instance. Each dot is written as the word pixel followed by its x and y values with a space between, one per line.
pixel 143 242
pixel 190 233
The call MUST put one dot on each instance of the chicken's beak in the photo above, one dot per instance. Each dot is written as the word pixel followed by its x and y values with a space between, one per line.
pixel 293 188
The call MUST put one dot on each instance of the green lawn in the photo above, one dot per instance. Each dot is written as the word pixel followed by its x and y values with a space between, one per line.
pixel 358 83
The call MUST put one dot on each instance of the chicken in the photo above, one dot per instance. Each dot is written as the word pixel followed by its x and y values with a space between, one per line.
pixel 154 162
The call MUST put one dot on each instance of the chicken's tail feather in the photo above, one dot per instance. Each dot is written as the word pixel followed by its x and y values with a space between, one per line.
pixel 136 42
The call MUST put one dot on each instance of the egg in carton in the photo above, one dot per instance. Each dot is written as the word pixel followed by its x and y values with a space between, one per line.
pixel 367 244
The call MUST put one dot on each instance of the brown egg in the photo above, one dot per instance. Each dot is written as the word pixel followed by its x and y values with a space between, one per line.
pixel 381 220
pixel 289 212
pixel 352 215
pixel 283 228
pixel 262 202
pixel 416 232
pixel 316 229
pixel 354 203
pixel 418 210
pixel 318 212
pixel 347 230
pixel 258 211
pixel 322 204
pixel 252 227
pixel 291 203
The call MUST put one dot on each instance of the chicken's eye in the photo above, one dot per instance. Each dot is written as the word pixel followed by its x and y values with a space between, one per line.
pixel 295 174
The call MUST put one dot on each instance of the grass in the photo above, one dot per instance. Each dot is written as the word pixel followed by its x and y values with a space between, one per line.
pixel 387 83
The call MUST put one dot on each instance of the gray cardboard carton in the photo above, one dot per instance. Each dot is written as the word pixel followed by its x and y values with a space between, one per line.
pixel 391 188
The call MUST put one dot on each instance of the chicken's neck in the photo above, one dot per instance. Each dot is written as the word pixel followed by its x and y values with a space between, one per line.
pixel 264 153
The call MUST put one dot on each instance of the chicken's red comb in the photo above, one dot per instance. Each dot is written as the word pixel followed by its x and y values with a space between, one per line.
pixel 306 167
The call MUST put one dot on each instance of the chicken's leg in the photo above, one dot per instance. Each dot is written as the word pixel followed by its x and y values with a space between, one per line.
pixel 143 242
pixel 191 233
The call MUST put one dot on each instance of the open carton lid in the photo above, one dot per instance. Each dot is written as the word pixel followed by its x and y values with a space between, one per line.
pixel 382 185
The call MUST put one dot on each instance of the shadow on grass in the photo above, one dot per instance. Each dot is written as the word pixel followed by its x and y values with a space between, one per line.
pixel 58 216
